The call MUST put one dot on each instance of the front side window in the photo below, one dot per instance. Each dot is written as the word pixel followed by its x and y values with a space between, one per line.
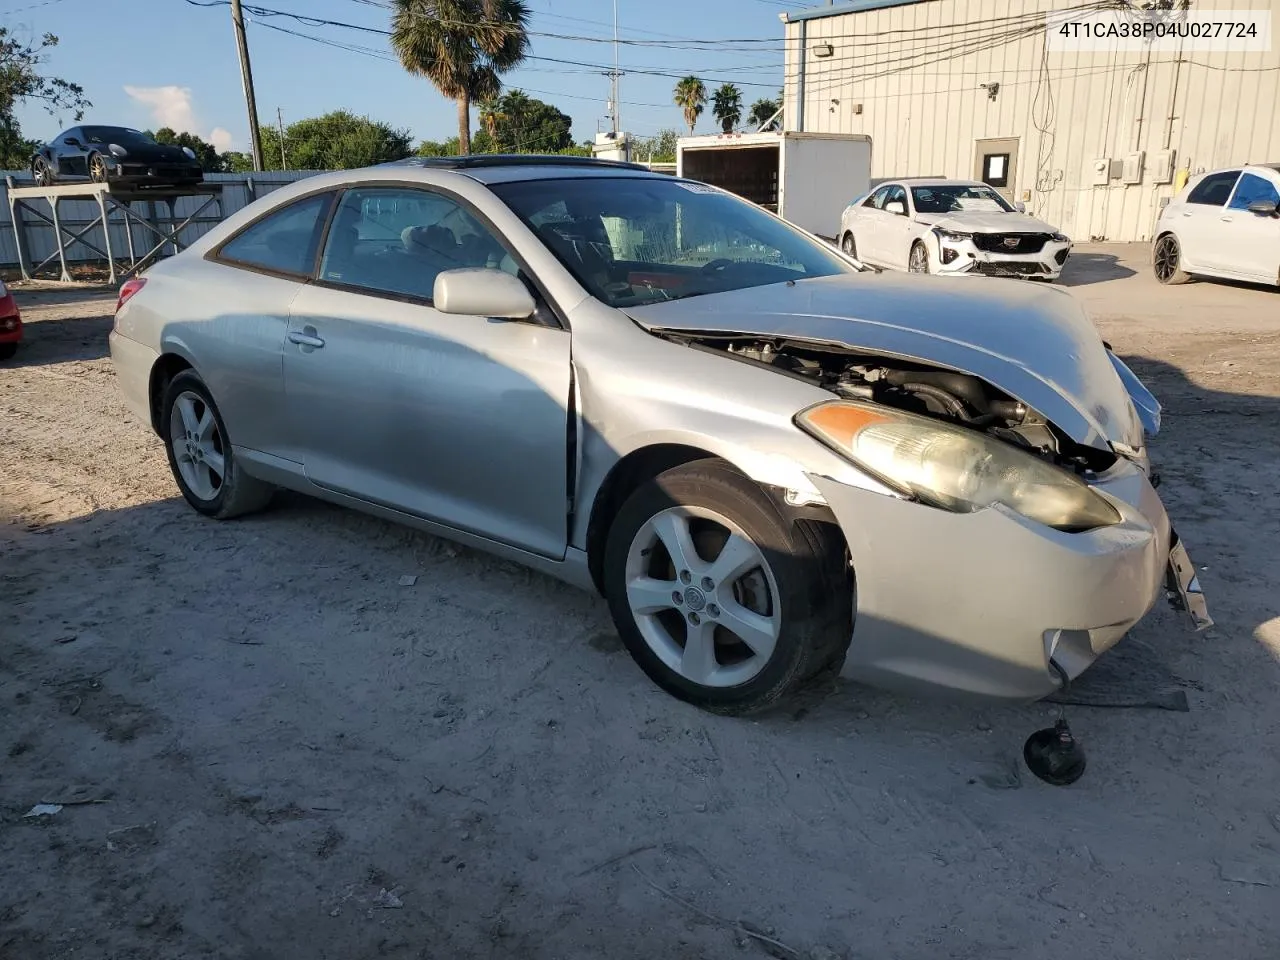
pixel 632 241
pixel 284 241
pixel 958 198
pixel 1214 189
pixel 396 240
pixel 876 200
pixel 1251 189
pixel 896 195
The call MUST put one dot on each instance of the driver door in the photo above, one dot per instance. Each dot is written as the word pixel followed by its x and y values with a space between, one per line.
pixel 71 156
pixel 461 420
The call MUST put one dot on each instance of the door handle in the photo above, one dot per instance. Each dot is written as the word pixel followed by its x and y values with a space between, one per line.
pixel 305 339
pixel 1226 219
pixel 1185 214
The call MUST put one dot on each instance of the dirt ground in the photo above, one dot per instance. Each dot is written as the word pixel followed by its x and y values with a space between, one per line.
pixel 298 757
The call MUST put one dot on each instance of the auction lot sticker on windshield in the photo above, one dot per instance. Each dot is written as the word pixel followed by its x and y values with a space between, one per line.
pixel 1159 31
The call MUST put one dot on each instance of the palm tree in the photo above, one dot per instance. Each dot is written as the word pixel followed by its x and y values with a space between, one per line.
pixel 761 111
pixel 726 104
pixel 691 96
pixel 491 116
pixel 461 46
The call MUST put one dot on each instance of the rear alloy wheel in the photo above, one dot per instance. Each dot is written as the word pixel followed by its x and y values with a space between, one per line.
pixel 849 245
pixel 918 262
pixel 201 457
pixel 721 599
pixel 97 168
pixel 42 173
pixel 1166 261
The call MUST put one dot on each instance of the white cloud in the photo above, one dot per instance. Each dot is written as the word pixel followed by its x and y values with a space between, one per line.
pixel 172 106
pixel 222 139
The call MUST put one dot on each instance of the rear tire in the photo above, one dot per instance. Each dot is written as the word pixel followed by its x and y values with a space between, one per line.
pixel 773 610
pixel 1167 261
pixel 201 456
pixel 42 173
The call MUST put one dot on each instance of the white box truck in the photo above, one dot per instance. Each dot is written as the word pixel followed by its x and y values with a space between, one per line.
pixel 807 178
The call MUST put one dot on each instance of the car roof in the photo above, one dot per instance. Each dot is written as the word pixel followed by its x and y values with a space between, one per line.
pixel 492 168
pixel 939 182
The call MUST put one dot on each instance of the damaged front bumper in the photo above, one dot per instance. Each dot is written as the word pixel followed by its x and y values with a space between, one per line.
pixel 956 256
pixel 980 603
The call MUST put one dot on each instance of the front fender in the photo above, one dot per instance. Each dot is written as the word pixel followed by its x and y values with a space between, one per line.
pixel 1144 401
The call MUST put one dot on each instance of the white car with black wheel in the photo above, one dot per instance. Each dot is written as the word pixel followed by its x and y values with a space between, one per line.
pixel 951 227
pixel 1226 224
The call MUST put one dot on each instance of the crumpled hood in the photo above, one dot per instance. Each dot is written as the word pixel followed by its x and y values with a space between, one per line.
pixel 1033 342
pixel 974 221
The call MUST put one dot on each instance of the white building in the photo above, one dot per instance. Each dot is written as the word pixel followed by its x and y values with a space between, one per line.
pixel 1093 138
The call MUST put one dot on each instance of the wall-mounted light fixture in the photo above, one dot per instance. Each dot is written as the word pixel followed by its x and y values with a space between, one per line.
pixel 823 50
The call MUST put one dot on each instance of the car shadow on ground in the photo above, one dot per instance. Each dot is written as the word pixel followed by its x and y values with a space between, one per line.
pixel 1085 268
pixel 61 339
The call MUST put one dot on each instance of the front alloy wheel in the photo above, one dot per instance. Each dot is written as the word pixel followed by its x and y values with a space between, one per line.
pixel 97 168
pixel 723 599
pixel 1167 261
pixel 919 260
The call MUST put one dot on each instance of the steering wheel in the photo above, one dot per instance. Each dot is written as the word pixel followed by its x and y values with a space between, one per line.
pixel 715 265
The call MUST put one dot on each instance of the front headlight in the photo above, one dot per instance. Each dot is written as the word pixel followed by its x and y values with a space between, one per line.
pixel 944 234
pixel 955 468
pixel 191 154
pixel 1060 238
pixel 116 150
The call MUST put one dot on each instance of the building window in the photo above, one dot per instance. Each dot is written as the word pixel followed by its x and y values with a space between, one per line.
pixel 995 169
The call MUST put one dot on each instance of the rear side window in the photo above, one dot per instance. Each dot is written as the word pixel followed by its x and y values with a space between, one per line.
pixel 284 241
pixel 1214 189
pixel 1251 189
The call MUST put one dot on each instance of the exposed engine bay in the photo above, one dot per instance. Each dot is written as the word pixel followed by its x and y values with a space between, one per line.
pixel 915 388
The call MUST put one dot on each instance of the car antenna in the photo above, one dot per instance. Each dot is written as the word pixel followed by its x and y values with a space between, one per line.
pixel 1054 754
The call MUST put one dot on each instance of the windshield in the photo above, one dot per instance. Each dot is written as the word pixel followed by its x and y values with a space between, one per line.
pixel 635 241
pixel 121 136
pixel 957 198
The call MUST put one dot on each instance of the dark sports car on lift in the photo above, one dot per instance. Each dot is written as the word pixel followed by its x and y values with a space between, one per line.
pixel 113 155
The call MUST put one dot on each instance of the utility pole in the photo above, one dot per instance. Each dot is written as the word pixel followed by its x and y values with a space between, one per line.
pixel 246 75
pixel 614 107
pixel 284 164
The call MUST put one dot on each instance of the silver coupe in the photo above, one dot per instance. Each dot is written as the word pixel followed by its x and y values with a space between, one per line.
pixel 772 462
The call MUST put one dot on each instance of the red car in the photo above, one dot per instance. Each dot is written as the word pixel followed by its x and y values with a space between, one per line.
pixel 10 324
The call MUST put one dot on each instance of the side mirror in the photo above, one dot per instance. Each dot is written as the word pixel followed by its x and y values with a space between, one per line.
pixel 482 292
pixel 1020 207
pixel 1264 208
pixel 896 206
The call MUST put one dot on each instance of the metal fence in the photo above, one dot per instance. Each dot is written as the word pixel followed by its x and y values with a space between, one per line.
pixel 238 190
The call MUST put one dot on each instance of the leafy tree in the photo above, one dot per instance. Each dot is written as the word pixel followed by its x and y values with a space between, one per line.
pixel 691 96
pixel 726 104
pixel 438 148
pixel 519 123
pixel 461 46
pixel 211 161
pixel 335 141
pixel 761 111
pixel 661 147
pixel 22 79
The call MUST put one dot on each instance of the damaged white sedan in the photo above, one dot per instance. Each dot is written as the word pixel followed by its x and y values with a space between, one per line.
pixel 771 463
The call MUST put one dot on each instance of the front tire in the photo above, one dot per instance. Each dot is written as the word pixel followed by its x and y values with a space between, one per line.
pixel 200 455
pixel 1167 261
pixel 97 168
pixel 725 602
pixel 918 259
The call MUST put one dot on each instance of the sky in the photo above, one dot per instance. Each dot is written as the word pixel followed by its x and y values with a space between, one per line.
pixel 152 63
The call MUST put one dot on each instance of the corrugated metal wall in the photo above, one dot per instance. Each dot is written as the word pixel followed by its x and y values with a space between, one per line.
pixel 915 72
pixel 76 214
